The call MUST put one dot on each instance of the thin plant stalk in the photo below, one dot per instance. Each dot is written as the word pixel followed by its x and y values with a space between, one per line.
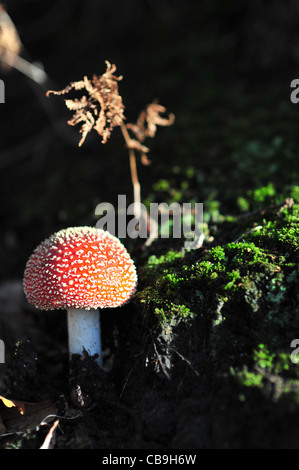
pixel 134 174
pixel 153 226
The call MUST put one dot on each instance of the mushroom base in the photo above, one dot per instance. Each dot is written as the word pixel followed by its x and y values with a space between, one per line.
pixel 84 332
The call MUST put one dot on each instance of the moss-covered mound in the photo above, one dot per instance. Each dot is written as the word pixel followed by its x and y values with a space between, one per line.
pixel 215 335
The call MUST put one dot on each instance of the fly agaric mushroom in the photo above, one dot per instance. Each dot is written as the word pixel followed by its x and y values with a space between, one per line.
pixel 80 269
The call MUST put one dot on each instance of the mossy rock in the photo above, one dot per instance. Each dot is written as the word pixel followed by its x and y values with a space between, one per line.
pixel 217 326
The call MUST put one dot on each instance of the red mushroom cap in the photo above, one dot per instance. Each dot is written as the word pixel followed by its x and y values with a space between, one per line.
pixel 80 267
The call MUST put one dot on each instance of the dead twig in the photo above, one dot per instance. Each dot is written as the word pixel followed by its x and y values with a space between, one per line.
pixel 184 359
pixel 288 202
pixel 126 381
pixel 50 437
pixel 253 229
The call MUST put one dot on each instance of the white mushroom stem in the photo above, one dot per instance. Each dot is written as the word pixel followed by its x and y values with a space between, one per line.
pixel 84 332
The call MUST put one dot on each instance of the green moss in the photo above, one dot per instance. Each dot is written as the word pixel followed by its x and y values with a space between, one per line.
pixel 243 203
pixel 250 379
pixel 281 233
pixel 171 311
pixel 263 194
pixel 262 357
pixel 238 300
pixel 170 257
pixel 226 314
pixel 282 363
pixel 294 193
pixel 247 273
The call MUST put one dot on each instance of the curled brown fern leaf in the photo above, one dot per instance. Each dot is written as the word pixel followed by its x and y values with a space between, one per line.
pixel 146 126
pixel 101 108
pixel 148 119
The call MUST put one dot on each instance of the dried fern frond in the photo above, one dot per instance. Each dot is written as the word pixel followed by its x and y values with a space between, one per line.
pixel 153 118
pixel 135 145
pixel 146 126
pixel 148 119
pixel 101 108
pixel 9 38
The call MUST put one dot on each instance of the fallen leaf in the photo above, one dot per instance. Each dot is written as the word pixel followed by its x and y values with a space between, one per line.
pixel 19 416
pixel 10 403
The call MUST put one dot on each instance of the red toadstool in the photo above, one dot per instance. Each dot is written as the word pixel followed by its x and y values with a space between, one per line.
pixel 80 269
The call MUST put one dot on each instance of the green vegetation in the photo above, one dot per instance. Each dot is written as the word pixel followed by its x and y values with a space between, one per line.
pixel 240 298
